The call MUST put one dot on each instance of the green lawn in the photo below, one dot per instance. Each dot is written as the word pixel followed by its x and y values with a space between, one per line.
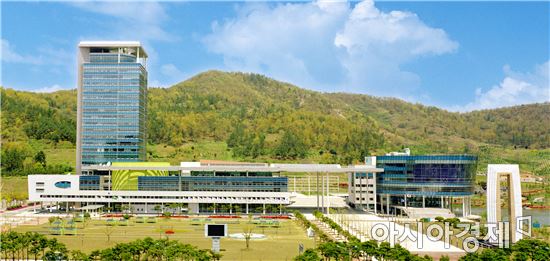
pixel 56 153
pixel 189 152
pixel 281 244
pixel 14 186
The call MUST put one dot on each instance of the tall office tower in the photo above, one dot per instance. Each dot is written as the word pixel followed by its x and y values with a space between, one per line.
pixel 112 103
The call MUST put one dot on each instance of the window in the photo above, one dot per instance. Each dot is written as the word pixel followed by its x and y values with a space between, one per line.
pixel 63 184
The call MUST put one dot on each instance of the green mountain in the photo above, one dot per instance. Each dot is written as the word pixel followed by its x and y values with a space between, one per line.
pixel 263 119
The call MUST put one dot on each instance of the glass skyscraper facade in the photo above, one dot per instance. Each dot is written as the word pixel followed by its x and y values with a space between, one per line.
pixel 445 175
pixel 425 179
pixel 112 103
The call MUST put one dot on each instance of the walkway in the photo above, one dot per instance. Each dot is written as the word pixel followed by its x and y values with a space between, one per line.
pixel 333 234
pixel 361 226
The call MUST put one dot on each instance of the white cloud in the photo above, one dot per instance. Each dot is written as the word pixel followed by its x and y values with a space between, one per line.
pixel 516 88
pixel 9 55
pixel 49 89
pixel 142 20
pixel 328 44
pixel 376 44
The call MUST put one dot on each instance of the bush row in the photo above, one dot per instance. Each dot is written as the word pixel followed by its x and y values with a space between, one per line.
pixel 306 224
pixel 335 226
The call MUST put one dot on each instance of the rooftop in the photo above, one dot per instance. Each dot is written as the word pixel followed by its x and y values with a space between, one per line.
pixel 320 168
pixel 84 44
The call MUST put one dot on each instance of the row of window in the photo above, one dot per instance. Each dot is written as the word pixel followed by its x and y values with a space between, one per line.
pixel 114 119
pixel 169 197
pixel 112 141
pixel 113 91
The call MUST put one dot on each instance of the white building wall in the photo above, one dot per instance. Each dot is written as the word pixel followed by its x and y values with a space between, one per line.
pixel 51 193
pixel 493 171
pixel 362 190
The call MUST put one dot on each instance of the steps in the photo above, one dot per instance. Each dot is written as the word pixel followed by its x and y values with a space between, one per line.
pixel 327 230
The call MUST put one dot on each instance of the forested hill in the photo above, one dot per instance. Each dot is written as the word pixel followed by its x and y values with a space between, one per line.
pixel 261 117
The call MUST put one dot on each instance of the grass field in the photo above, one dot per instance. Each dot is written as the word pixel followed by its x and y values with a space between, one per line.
pixel 14 186
pixel 281 243
pixel 189 152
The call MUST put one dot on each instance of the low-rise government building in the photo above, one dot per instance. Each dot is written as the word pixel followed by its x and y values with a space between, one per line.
pixel 140 187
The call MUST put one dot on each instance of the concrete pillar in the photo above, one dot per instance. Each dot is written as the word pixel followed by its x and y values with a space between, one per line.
pixel 367 191
pixel 466 207
pixel 193 207
pixel 337 184
pixel 317 189
pixel 230 208
pixel 442 202
pixel 246 208
pixel 322 194
pixel 360 188
pixel 264 209
pixel 308 186
pixel 146 209
pixel 328 194
pixel 374 193
pixel 405 197
pixel 388 204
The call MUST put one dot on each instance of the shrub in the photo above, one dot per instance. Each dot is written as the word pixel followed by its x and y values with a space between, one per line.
pixel 440 219
pixel 52 219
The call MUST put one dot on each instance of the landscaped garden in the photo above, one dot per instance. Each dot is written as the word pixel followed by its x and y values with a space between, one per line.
pixel 281 243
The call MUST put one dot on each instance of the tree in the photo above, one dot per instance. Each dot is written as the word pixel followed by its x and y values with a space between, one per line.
pixel 308 255
pixel 108 231
pixel 247 231
pixel 332 250
pixel 12 158
pixel 370 247
pixel 291 146
pixel 174 207
pixel 78 255
pixel 215 256
pixel 158 209
pixel 125 208
pixel 536 250
pixel 40 157
pixel 237 209
pixel 57 251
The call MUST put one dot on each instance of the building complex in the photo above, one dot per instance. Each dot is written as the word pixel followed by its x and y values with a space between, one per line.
pixel 414 181
pixel 205 187
pixel 112 172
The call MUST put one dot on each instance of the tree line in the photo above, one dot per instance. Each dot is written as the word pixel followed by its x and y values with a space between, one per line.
pixel 19 160
pixel 523 250
pixel 353 248
pixel 259 117
pixel 31 245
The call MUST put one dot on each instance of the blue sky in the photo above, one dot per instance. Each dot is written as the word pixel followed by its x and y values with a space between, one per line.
pixel 460 56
